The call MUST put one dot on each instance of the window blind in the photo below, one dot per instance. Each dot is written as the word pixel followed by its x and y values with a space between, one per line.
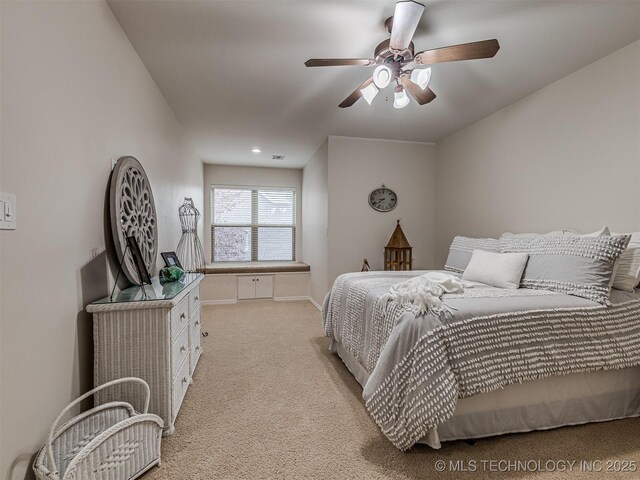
pixel 252 224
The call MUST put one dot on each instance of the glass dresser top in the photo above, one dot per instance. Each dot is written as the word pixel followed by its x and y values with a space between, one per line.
pixel 158 290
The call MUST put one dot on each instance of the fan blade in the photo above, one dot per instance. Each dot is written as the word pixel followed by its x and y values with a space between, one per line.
pixel 405 21
pixel 334 62
pixel 421 96
pixel 454 53
pixel 353 98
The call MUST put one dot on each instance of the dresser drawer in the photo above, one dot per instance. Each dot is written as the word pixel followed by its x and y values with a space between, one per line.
pixel 179 318
pixel 180 385
pixel 179 351
pixel 194 301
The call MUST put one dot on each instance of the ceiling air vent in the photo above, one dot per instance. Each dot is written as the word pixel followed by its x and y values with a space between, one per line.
pixel 278 157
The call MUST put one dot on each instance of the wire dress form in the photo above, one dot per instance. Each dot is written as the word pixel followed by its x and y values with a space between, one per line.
pixel 189 249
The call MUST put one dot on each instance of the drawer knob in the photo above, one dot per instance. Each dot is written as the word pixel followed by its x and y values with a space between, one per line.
pixel 183 348
pixel 197 298
pixel 197 323
pixel 198 348
pixel 183 316
pixel 185 380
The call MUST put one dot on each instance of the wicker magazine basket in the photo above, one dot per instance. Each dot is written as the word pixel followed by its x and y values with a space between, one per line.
pixel 110 441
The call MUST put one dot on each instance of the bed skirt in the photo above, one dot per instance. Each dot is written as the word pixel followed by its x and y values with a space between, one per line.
pixel 544 404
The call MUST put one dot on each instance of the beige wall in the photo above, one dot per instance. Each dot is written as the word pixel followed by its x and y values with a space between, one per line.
pixel 356 231
pixel 74 96
pixel 567 155
pixel 250 176
pixel 314 220
pixel 2 474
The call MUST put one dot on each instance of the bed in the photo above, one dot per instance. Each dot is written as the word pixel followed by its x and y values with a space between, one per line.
pixel 502 361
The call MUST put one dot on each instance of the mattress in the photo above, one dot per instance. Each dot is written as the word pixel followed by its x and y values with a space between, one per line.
pixel 552 402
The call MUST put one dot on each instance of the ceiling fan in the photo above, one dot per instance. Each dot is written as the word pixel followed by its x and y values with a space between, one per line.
pixel 392 56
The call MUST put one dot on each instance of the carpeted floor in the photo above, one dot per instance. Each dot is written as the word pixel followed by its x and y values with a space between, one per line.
pixel 269 401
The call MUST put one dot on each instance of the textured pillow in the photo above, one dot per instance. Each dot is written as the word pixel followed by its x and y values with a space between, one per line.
pixel 564 231
pixel 627 275
pixel 502 270
pixel 603 231
pixel 580 266
pixel 462 248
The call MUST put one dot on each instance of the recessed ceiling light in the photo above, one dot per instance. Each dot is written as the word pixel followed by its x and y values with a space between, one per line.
pixel 256 150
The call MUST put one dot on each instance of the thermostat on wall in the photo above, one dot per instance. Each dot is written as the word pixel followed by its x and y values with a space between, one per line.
pixel 7 211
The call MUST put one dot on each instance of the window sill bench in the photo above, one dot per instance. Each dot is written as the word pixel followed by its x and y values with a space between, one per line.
pixel 232 282
pixel 255 267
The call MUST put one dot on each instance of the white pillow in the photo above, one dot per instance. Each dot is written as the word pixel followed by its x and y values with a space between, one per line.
pixel 627 275
pixel 502 270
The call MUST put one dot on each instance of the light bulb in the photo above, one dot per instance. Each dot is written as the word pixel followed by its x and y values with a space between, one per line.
pixel 382 76
pixel 401 99
pixel 421 77
pixel 369 93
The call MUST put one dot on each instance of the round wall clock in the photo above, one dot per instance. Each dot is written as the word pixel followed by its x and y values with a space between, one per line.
pixel 383 199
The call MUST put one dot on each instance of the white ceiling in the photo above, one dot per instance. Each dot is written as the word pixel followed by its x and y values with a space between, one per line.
pixel 234 74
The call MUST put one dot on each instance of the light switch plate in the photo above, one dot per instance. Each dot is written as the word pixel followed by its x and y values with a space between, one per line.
pixel 8 211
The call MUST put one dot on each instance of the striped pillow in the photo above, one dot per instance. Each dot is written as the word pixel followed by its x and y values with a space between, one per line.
pixel 462 248
pixel 627 275
pixel 580 266
pixel 564 231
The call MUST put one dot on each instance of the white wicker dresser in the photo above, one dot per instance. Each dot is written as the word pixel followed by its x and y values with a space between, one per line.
pixel 153 334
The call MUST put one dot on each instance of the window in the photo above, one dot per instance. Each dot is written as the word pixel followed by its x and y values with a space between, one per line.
pixel 252 224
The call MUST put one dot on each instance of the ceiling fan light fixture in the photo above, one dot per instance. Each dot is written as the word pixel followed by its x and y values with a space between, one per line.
pixel 369 92
pixel 421 77
pixel 382 76
pixel 400 98
pixel 393 58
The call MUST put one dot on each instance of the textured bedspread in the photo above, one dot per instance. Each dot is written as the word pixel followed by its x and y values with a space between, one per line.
pixel 420 365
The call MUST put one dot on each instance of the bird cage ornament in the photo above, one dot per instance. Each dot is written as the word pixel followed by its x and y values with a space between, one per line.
pixel 398 252
pixel 189 249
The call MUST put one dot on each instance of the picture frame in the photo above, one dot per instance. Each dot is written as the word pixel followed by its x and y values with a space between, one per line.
pixel 171 259
pixel 136 254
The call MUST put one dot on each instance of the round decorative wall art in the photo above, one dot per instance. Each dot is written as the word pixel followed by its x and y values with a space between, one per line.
pixel 133 213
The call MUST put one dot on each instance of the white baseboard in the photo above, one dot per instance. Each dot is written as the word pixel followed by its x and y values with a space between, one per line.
pixel 291 299
pixel 219 302
pixel 314 303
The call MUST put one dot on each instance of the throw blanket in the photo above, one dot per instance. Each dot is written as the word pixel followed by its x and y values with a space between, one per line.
pixel 419 365
pixel 424 291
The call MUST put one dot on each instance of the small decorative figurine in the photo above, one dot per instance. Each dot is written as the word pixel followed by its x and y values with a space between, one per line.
pixel 365 266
